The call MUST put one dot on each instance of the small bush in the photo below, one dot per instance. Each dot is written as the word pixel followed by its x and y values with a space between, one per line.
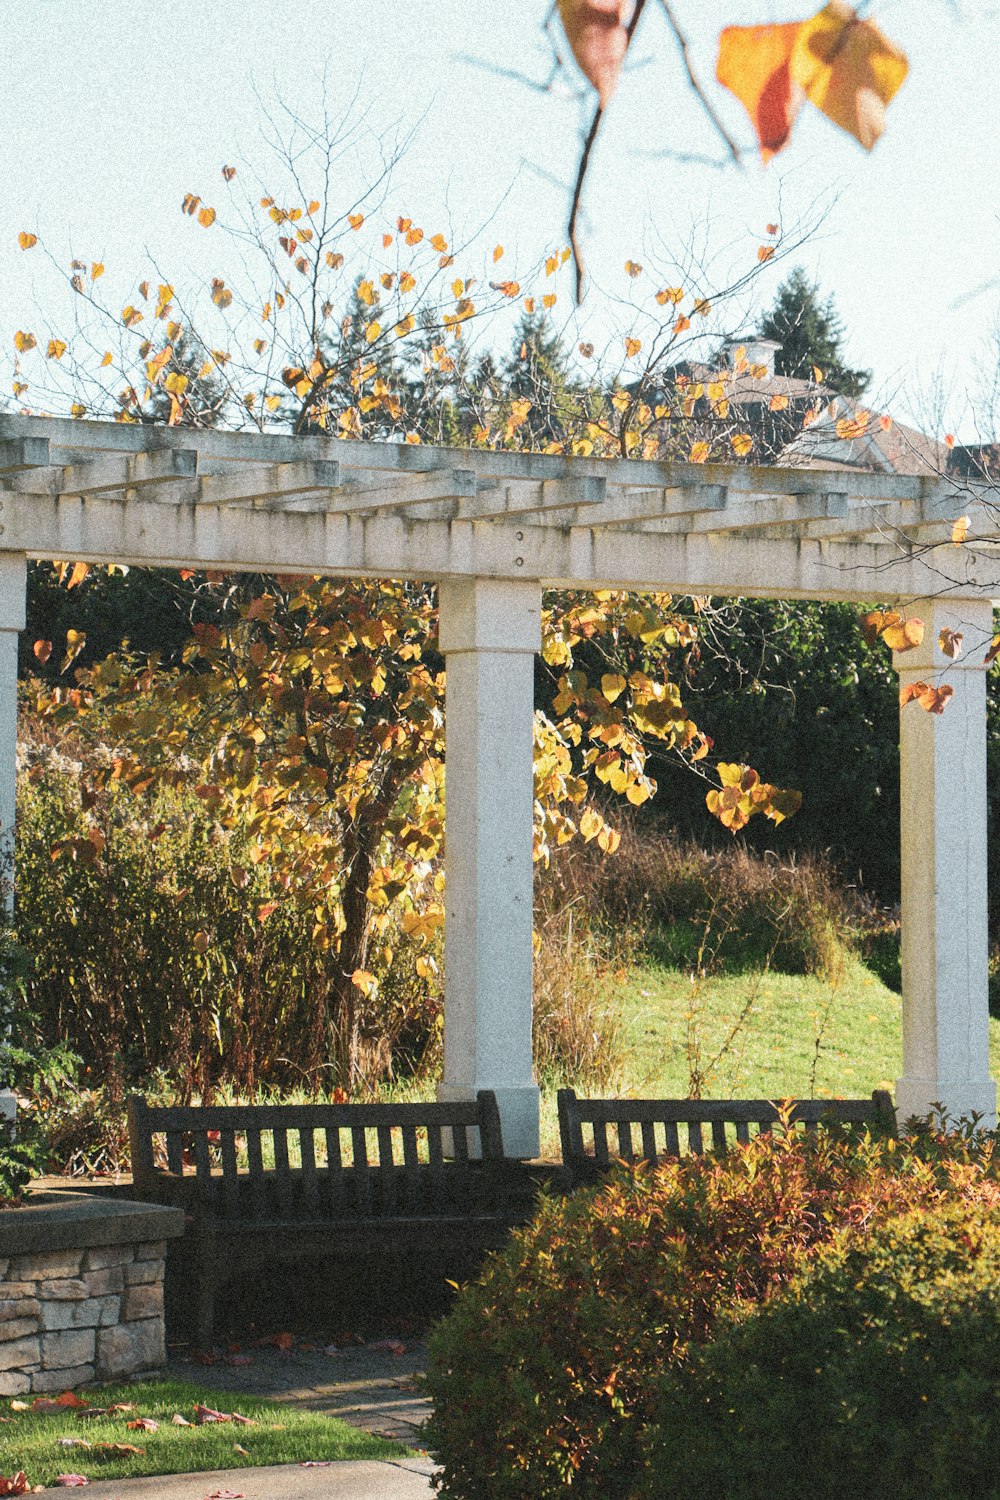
pixel 541 1377
pixel 880 1363
pixel 577 1035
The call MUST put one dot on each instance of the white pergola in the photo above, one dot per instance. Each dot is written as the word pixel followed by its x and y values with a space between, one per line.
pixel 494 530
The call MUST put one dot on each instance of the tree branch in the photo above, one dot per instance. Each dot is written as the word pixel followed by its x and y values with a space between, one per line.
pixel 682 45
pixel 581 173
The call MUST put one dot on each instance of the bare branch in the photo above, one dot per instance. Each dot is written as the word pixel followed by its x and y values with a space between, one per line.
pixel 693 80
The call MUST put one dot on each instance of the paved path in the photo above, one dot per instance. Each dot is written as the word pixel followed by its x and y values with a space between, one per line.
pixel 404 1479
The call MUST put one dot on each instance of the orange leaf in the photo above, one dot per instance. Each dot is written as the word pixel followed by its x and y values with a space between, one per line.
pixel 355 220
pixel 778 403
pixel 24 341
pixel 960 529
pixel 27 241
pixel 754 64
pixel 848 69
pixel 765 252
pixel 672 294
pixel 43 650
pixel 587 350
pixel 632 347
pixel 229 173
pixel 699 453
pixel 595 30
pixel 905 635
pixel 682 324
pixel 497 252
pixel 56 349
pixel 741 443
pixel 853 427
pixel 633 268
pixel 206 218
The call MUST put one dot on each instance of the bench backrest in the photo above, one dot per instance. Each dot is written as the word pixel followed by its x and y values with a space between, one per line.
pixel 316 1160
pixel 649 1129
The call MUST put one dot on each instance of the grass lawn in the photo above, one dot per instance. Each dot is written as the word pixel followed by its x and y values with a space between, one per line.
pixel 754 1035
pixel 278 1435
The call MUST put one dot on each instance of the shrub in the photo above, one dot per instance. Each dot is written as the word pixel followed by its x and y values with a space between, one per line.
pixel 728 908
pixel 881 1360
pixel 541 1375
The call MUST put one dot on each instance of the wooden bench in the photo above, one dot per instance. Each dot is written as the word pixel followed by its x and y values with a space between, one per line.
pixel 709 1124
pixel 266 1182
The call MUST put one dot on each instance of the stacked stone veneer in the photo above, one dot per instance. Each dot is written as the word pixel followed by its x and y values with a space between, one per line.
pixel 84 1313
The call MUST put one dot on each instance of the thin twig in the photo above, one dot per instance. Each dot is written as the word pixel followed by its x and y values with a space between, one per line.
pixel 581 173
pixel 682 44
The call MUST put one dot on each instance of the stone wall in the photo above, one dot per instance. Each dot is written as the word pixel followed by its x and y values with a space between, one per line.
pixel 89 1312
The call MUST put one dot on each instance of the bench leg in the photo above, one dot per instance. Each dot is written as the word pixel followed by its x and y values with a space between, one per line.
pixel 205 1306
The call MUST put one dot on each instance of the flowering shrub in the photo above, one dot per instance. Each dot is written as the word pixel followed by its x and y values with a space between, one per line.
pixel 541 1376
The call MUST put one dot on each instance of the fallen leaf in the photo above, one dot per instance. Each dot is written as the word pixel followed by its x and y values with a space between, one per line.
pixel 142 1424
pixel 315 1463
pixel 117 1450
pixel 238 1448
pixel 243 1421
pixel 225 1495
pixel 72 1443
pixel 204 1414
pixel 387 1346
pixel 16 1484
pixel 178 1421
pixel 70 1481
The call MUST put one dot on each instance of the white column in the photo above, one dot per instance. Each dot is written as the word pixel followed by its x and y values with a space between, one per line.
pixel 12 585
pixel 490 631
pixel 944 875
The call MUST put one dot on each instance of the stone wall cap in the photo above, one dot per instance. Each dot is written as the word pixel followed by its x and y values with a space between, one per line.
pixel 71 1220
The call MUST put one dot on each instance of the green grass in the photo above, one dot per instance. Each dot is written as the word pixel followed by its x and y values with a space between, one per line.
pixel 279 1435
pixel 754 1035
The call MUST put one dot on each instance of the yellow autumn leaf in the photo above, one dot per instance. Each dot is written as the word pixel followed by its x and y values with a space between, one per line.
pixel 372 332
pixel 497 252
pixel 633 268
pixel 632 347
pixel 56 349
pixel 905 635
pixel 848 69
pixel 741 443
pixel 699 453
pixel 27 241
pixel 355 220
pixel 960 529
pixel 613 685
pixel 206 217
pixel 24 341
pixel 672 294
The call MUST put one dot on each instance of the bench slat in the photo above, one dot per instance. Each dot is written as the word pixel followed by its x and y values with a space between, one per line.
pixel 307 1152
pixel 361 1177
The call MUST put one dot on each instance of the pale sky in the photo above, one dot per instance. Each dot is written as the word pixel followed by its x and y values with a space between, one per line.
pixel 112 112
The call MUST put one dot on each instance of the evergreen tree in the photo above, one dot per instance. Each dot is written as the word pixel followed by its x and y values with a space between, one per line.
pixel 810 334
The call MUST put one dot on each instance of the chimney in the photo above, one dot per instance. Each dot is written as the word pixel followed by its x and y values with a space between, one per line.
pixel 757 351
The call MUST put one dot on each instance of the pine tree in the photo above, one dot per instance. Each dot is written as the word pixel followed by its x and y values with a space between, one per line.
pixel 811 335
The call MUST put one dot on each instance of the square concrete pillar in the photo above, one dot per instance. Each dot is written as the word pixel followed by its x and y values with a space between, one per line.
pixel 12 587
pixel 490 631
pixel 944 874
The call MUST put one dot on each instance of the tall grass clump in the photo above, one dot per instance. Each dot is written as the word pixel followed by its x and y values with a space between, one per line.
pixel 730 908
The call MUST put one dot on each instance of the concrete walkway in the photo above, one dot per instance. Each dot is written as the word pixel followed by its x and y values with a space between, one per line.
pixel 402 1479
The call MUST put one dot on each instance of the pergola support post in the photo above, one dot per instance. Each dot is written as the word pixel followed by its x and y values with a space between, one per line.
pixel 944 873
pixel 12 604
pixel 490 631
